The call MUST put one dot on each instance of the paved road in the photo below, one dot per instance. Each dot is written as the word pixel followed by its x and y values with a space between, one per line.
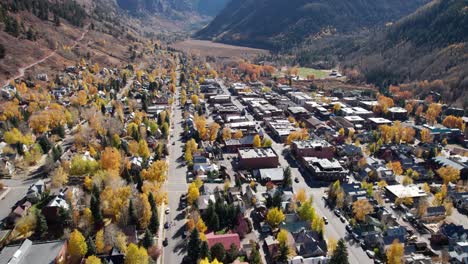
pixel 335 228
pixel 175 186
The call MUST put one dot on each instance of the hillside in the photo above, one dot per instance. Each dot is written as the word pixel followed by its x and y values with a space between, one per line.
pixel 280 24
pixel 173 8
pixel 42 37
pixel 430 44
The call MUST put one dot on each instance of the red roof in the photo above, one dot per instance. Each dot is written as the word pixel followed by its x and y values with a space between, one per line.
pixel 226 240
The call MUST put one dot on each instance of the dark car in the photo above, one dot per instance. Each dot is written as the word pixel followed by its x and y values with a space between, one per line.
pixel 342 219
pixel 296 180
pixel 349 228
pixel 165 242
pixel 337 212
pixel 166 225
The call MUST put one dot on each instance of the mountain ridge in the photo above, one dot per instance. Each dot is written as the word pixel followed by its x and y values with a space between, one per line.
pixel 278 24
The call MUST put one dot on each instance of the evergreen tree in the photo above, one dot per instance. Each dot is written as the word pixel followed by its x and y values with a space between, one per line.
pixel 193 248
pixel 96 205
pixel 56 20
pixel 255 257
pixel 132 215
pixel 340 255
pixel 154 221
pixel 205 251
pixel 287 177
pixel 91 246
pixel 218 252
pixel 151 201
pixel 147 239
pixel 283 253
pixel 41 224
pixel 232 254
pixel 2 51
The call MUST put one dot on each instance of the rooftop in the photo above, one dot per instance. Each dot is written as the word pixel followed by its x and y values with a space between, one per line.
pixel 312 143
pixel 401 191
pixel 379 120
pixel 253 153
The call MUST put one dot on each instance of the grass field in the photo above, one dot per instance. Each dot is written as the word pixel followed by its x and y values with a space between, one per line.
pixel 208 48
pixel 303 72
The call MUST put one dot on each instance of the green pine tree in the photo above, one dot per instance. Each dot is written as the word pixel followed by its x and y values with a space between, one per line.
pixel 340 255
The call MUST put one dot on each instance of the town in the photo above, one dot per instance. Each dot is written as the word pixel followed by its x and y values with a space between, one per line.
pixel 191 160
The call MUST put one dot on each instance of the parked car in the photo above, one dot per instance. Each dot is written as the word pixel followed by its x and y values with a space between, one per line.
pixel 342 219
pixel 167 225
pixel 296 179
pixel 165 242
pixel 370 254
pixel 337 212
pixel 355 236
pixel 168 210
pixel 349 228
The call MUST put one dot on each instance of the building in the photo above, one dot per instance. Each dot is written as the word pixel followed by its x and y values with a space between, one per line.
pixel 325 169
pixel 298 112
pixel 29 252
pixel 257 158
pixel 220 99
pixel 275 175
pixel 375 122
pixel 313 148
pixel 232 145
pixel 280 129
pixel 226 240
pixel 397 113
pixel 400 191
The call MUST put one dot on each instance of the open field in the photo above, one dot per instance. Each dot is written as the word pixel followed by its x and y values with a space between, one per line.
pixel 304 72
pixel 209 48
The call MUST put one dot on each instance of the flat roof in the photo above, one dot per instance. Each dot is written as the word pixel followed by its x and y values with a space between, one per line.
pixel 311 143
pixel 354 118
pixel 401 191
pixel 379 120
pixel 253 153
pixel 397 110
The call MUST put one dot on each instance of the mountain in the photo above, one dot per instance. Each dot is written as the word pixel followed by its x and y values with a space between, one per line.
pixel 173 7
pixel 280 24
pixel 429 44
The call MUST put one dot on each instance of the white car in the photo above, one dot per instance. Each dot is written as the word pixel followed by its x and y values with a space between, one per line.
pixel 168 210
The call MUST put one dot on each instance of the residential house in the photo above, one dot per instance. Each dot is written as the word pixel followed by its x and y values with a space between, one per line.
pixel 29 252
pixel 52 210
pixel 36 190
pixel 226 240
pixel 459 255
pixel 114 257
pixel 309 243
pixel 433 214
pixel 18 212
pixel 311 260
pixel 449 234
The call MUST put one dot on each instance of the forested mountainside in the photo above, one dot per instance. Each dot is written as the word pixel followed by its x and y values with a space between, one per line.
pixel 280 24
pixel 171 7
pixel 430 44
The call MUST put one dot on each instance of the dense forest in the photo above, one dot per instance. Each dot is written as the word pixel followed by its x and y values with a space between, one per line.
pixel 67 9
pixel 278 24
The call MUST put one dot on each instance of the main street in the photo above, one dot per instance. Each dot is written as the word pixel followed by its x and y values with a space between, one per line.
pixel 335 228
pixel 175 186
